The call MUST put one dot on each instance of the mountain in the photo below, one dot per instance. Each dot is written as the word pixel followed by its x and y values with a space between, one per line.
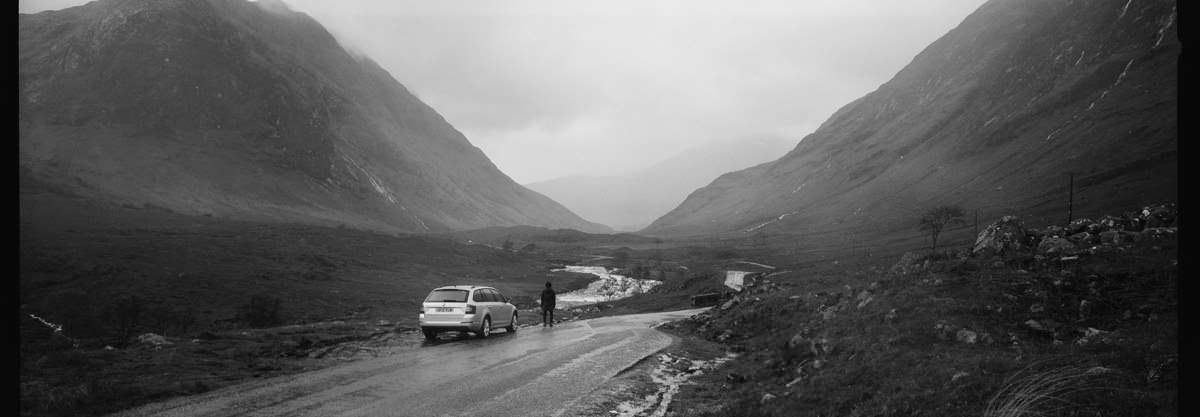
pixel 251 111
pixel 1000 115
pixel 631 201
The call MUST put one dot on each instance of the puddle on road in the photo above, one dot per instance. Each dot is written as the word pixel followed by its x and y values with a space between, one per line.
pixel 671 372
pixel 608 287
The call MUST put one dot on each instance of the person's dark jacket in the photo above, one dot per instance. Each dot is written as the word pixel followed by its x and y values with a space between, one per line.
pixel 548 298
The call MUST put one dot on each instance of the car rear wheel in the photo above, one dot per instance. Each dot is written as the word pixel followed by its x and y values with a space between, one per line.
pixel 512 325
pixel 487 327
pixel 430 334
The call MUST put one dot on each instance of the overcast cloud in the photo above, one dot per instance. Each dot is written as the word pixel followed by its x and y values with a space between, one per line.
pixel 552 88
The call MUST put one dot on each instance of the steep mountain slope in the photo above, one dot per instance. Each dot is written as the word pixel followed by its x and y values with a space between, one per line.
pixel 631 201
pixel 247 110
pixel 993 116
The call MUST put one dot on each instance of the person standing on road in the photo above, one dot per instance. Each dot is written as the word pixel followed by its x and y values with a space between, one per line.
pixel 548 298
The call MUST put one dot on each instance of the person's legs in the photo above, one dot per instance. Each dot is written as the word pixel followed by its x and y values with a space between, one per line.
pixel 552 317
pixel 544 312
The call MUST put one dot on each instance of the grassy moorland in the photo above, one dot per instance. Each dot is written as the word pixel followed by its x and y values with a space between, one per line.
pixel 124 305
pixel 121 306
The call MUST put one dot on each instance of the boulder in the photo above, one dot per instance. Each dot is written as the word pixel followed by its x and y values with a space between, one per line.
pixel 966 336
pixel 1056 246
pixel 1055 231
pixel 1159 214
pixel 1110 222
pixel 1006 235
pixel 1078 225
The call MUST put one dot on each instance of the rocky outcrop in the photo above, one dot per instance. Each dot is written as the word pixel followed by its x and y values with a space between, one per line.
pixel 1004 236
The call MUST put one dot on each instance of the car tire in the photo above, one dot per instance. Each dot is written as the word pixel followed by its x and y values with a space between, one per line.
pixel 512 325
pixel 430 335
pixel 486 330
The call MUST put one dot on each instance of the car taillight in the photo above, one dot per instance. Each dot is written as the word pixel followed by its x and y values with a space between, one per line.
pixel 421 312
pixel 470 309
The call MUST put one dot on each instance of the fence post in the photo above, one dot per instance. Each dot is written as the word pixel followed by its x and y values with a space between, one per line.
pixel 1071 199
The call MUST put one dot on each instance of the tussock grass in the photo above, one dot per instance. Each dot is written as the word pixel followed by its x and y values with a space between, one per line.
pixel 1033 392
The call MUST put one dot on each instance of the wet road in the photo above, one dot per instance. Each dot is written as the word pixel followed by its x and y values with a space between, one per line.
pixel 535 371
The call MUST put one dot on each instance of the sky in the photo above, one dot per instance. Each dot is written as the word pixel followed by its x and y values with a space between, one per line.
pixel 554 88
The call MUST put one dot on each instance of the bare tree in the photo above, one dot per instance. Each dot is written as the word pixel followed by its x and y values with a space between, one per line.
pixel 938 218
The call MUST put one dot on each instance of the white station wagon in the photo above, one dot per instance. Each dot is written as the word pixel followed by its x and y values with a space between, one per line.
pixel 466 308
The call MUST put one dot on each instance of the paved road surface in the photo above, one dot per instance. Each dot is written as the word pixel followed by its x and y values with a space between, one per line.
pixel 534 372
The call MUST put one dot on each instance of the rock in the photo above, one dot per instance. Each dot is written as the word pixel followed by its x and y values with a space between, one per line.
pixel 729 304
pixel 109 347
pixel 728 333
pixel 818 364
pixel 959 375
pixel 153 340
pixel 1004 236
pixel 1056 246
pixel 766 397
pixel 1093 335
pixel 909 263
pixel 799 348
pixel 864 297
pixel 1081 238
pixel 1078 225
pixel 1159 214
pixel 734 378
pixel 966 336
pixel 823 346
pixel 998 264
pixel 1035 325
pixel 1110 222
pixel 383 323
pixel 943 330
pixel 1055 231
pixel 890 316
pixel 1037 308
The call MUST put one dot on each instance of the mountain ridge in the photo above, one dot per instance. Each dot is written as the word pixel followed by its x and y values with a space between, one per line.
pixel 248 110
pixel 995 115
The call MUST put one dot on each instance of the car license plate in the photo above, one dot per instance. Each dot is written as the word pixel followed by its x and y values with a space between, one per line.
pixel 444 309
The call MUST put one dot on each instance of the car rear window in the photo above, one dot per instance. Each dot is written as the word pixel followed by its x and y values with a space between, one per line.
pixel 447 296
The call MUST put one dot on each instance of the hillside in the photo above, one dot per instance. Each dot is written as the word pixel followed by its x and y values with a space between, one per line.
pixel 247 111
pixel 995 116
pixel 631 201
